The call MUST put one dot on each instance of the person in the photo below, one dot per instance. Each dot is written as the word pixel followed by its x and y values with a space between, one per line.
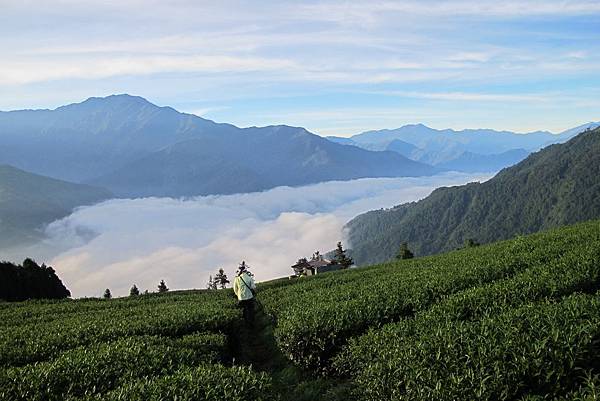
pixel 245 290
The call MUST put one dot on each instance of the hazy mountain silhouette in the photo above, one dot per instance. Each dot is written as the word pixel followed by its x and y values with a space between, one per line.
pixel 467 150
pixel 135 148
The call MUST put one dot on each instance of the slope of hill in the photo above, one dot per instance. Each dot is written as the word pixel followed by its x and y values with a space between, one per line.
pixel 136 148
pixel 385 332
pixel 555 186
pixel 28 201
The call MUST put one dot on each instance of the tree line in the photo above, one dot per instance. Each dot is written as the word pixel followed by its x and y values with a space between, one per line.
pixel 135 291
pixel 30 281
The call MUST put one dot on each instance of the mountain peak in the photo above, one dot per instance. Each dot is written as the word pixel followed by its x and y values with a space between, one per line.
pixel 122 103
pixel 122 98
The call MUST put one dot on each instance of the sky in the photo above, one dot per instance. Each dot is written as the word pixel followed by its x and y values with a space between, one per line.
pixel 334 67
pixel 122 242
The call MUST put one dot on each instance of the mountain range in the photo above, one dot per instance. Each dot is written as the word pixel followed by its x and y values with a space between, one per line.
pixel 28 201
pixel 481 150
pixel 135 148
pixel 555 186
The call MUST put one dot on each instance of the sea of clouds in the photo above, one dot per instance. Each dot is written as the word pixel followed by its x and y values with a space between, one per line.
pixel 120 242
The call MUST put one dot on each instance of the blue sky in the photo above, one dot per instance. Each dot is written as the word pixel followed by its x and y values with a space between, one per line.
pixel 334 67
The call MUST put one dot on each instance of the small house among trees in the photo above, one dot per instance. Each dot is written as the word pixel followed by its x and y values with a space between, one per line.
pixel 317 264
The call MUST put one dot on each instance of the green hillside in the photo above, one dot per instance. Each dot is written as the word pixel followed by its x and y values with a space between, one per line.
pixel 513 320
pixel 28 201
pixel 556 186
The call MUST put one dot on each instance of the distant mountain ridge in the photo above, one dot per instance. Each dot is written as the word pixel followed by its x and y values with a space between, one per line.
pixel 29 201
pixel 450 149
pixel 258 159
pixel 135 148
pixel 556 186
pixel 474 162
pixel 84 140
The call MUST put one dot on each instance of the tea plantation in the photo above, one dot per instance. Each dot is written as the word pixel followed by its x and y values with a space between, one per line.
pixel 514 320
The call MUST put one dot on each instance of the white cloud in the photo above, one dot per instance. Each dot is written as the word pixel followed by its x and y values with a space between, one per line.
pixel 465 96
pixel 319 54
pixel 371 12
pixel 182 241
pixel 23 72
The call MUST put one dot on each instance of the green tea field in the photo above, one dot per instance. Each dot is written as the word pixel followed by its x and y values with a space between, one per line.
pixel 513 320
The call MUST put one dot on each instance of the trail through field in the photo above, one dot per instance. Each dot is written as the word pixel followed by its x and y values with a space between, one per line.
pixel 255 345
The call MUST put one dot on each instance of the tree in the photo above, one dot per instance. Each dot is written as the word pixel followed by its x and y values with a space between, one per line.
pixel 341 258
pixel 162 287
pixel 317 256
pixel 30 281
pixel 212 284
pixel 221 279
pixel 134 291
pixel 470 243
pixel 107 294
pixel 404 252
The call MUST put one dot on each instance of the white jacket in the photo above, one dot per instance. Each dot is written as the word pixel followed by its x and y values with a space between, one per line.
pixel 242 285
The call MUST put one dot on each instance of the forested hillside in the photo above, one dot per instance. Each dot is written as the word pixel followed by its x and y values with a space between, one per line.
pixel 30 281
pixel 556 186
pixel 28 201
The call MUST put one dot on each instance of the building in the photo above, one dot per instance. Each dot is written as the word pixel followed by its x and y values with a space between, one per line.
pixel 314 266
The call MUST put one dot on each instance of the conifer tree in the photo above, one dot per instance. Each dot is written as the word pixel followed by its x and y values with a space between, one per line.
pixel 404 252
pixel 220 279
pixel 212 284
pixel 107 294
pixel 134 291
pixel 341 258
pixel 162 287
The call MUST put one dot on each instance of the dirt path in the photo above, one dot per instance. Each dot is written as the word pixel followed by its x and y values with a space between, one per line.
pixel 256 345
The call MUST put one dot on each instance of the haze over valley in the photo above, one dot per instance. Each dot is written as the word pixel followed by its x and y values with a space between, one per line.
pixel 183 241
pixel 192 195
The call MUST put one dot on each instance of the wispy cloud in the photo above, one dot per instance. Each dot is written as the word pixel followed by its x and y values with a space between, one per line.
pixel 448 51
pixel 342 11
pixel 469 97
pixel 23 72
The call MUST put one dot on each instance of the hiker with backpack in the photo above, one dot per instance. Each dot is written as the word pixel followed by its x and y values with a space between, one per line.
pixel 245 290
